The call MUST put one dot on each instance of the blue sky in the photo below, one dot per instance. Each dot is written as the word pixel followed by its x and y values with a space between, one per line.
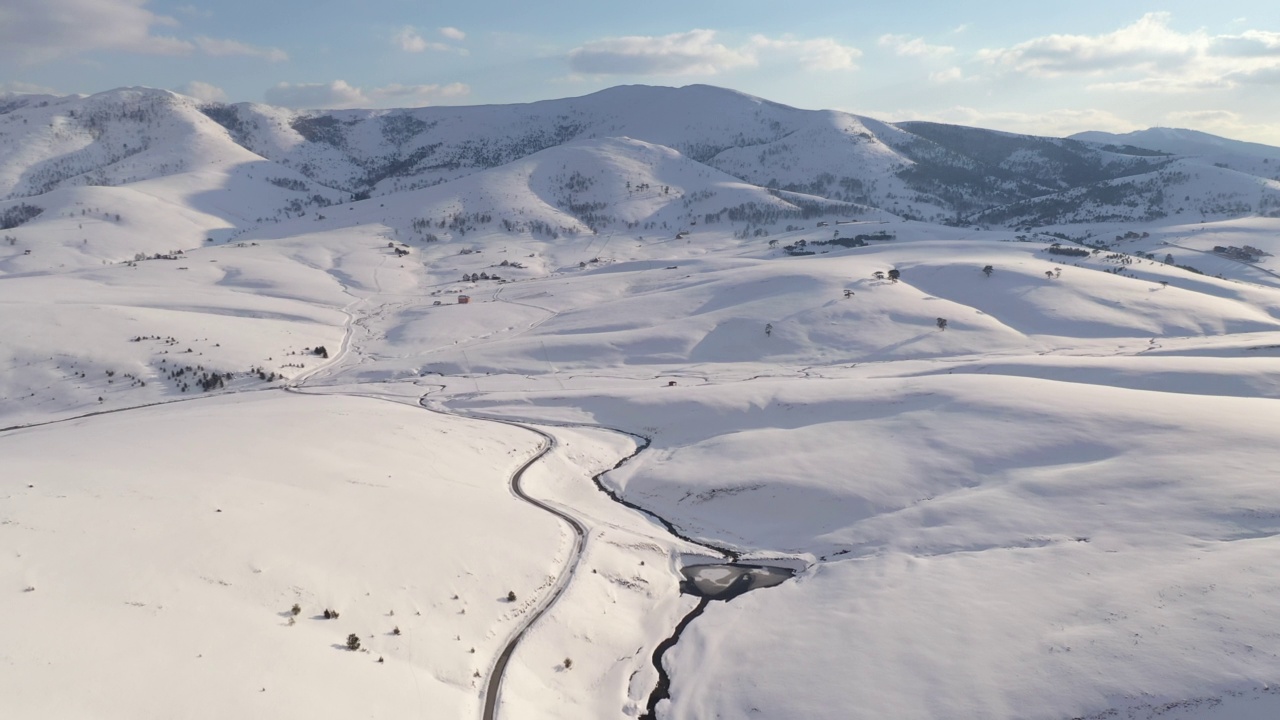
pixel 1019 66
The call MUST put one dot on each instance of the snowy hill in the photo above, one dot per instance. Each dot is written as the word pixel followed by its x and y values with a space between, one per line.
pixel 145 158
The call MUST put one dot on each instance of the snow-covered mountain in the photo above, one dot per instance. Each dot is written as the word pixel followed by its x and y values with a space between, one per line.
pixel 222 169
pixel 915 169
pixel 493 381
pixel 1174 141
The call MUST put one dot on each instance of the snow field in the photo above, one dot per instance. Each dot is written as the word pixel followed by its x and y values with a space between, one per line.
pixel 165 547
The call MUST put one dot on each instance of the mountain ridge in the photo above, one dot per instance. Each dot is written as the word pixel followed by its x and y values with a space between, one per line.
pixel 245 165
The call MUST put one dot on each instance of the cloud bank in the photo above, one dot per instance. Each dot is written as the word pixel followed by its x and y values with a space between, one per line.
pixel 700 52
pixel 339 94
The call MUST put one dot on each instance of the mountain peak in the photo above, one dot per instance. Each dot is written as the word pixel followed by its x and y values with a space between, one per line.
pixel 1181 141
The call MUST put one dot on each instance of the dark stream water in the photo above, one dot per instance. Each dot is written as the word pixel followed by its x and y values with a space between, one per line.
pixel 728 581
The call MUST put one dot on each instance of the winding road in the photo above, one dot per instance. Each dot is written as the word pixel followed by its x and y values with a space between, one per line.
pixel 493 689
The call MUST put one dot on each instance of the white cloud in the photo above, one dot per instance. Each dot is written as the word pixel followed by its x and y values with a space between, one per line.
pixel 1166 84
pixel 415 95
pixel 1249 44
pixel 949 76
pixel 453 33
pixel 816 54
pixel 1225 123
pixel 1148 56
pixel 1260 76
pixel 698 52
pixel 193 11
pixel 339 95
pixel 24 88
pixel 1199 117
pixel 907 46
pixel 691 53
pixel 34 31
pixel 203 91
pixel 216 47
pixel 1148 43
pixel 410 40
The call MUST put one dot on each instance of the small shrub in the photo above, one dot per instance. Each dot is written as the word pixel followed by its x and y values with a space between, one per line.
pixel 296 609
pixel 568 663
pixel 353 642
pixel 511 596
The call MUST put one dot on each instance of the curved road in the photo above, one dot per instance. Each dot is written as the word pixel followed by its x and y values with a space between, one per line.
pixel 493 688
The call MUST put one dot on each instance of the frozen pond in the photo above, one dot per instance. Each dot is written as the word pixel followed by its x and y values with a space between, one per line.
pixel 724 582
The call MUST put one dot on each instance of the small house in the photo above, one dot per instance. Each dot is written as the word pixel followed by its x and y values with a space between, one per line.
pixel 464 299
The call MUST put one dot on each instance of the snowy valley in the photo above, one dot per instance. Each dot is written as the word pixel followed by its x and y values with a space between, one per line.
pixel 486 380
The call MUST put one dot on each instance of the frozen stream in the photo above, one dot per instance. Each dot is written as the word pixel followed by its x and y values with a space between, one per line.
pixel 725 582
pixel 722 581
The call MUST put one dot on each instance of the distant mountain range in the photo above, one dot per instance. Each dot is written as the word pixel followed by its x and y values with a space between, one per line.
pixel 624 158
